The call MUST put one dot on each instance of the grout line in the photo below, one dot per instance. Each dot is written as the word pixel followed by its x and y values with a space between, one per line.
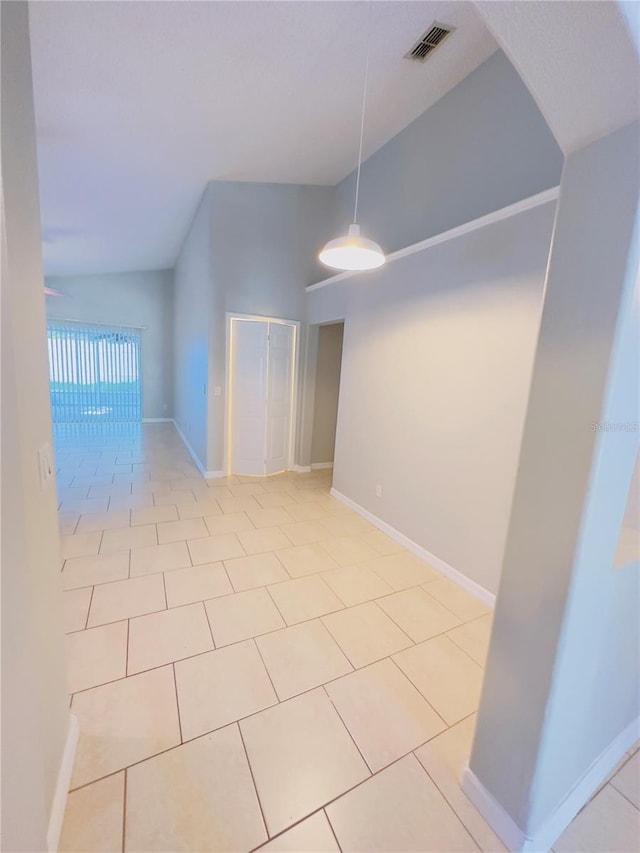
pixel 126 662
pixel 206 616
pixel 255 787
pixel 266 668
pixel 86 621
pixel 348 730
pixel 164 589
pixel 175 689
pixel 333 832
pixel 124 811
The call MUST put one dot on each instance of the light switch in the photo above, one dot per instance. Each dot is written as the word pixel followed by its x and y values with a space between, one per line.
pixel 45 463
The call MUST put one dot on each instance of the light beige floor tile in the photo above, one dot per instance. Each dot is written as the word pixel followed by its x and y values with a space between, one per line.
pixel 386 715
pixel 473 637
pixel 103 520
pixel 108 490
pixel 269 517
pixel 265 539
pixel 308 511
pixel 304 532
pixel 242 615
pixel 124 599
pixel 76 608
pixel 232 522
pixel 356 584
pixel 445 675
pixel 313 835
pixel 180 531
pixel 86 506
pixel 301 657
pixel 283 744
pixel 306 560
pixel 80 544
pixel 203 507
pixel 130 502
pixel 609 822
pixel 153 514
pixel 198 797
pixel 159 558
pixel 96 656
pixel 67 522
pixel 444 759
pixel 380 542
pixel 348 550
pixel 218 492
pixel 126 538
pixel 124 722
pixel 419 615
pixel 456 599
pixel 234 505
pixel 403 570
pixel 87 571
pixel 366 634
pixel 220 687
pixel 167 636
pixel 246 489
pixel 173 497
pixel 304 598
pixel 93 818
pixel 346 524
pixel 399 809
pixel 254 571
pixel 627 780
pixel 212 549
pixel 197 583
pixel 273 500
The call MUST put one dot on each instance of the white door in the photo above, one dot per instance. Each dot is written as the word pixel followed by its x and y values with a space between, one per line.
pixel 261 393
pixel 279 389
pixel 249 342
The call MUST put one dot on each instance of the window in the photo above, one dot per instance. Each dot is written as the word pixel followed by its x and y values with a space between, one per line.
pixel 94 372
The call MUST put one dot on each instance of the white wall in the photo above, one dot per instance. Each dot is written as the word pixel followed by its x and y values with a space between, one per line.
pixel 128 299
pixel 35 705
pixel 327 389
pixel 438 348
pixel 192 321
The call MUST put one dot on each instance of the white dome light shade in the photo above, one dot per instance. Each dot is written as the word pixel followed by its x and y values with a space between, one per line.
pixel 352 252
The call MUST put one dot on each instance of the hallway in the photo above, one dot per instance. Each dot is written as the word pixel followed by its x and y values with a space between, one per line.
pixel 247 656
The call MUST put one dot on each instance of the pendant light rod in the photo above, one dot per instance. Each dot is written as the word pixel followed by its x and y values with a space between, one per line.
pixel 364 110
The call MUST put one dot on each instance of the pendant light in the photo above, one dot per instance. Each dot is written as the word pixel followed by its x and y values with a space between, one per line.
pixel 353 251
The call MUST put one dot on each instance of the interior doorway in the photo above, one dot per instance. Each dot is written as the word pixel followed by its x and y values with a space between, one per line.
pixel 326 394
pixel 262 368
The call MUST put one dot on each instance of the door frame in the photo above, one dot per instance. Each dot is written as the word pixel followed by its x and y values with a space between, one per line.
pixel 295 373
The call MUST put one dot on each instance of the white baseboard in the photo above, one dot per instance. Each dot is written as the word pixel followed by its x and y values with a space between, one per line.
pixel 319 466
pixel 157 420
pixel 515 839
pixel 59 804
pixel 208 475
pixel 445 569
pixel 302 469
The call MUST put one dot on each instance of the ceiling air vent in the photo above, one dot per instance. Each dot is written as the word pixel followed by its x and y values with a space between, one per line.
pixel 427 43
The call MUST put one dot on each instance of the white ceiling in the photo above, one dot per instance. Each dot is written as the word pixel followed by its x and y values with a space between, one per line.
pixel 140 104
pixel 578 60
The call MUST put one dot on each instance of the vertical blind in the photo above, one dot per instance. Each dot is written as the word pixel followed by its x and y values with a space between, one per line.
pixel 94 372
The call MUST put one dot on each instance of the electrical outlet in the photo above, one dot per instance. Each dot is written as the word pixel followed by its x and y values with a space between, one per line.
pixel 378 491
pixel 45 465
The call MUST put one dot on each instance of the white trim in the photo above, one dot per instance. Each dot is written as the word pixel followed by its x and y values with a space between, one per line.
pixel 301 469
pixel 157 420
pixel 63 783
pixel 482 221
pixel 439 565
pixel 545 837
pixel 319 466
pixel 208 475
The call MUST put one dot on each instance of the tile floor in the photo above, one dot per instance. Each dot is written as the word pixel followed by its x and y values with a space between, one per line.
pixel 254 666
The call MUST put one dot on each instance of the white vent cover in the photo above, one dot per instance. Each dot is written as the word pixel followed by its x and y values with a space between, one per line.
pixel 427 43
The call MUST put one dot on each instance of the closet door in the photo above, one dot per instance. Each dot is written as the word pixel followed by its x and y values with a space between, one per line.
pixel 249 349
pixel 279 391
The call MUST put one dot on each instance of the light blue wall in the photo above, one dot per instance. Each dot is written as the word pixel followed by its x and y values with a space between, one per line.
pixel 482 146
pixel 133 298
